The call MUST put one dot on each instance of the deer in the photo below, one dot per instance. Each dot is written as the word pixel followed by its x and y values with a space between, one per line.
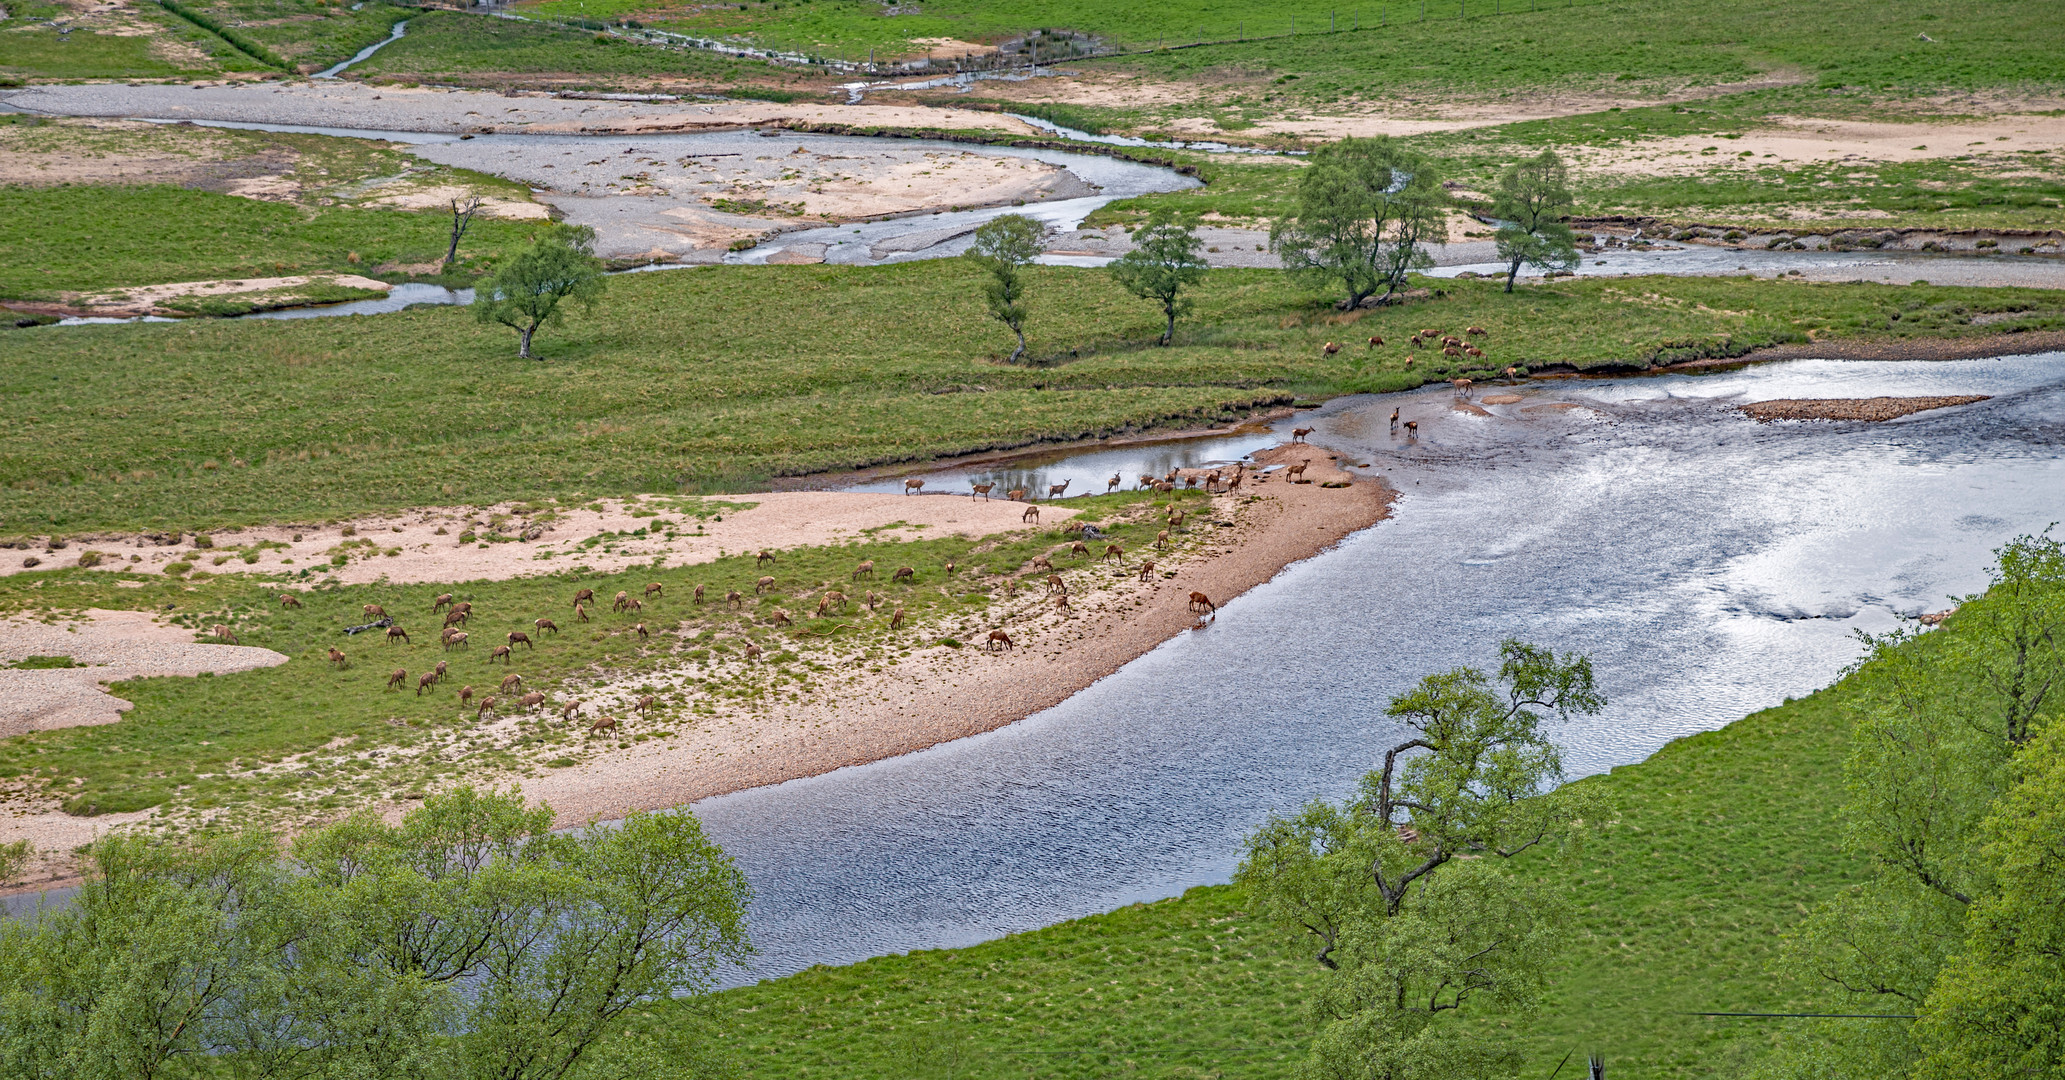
pixel 763 558
pixel 1146 571
pixel 871 601
pixel 1394 419
pixel 568 711
pixel 699 593
pixel 1189 482
pixel 1329 349
pixel 1079 549
pixel 510 682
pixel 518 637
pixel 1112 484
pixel 374 611
pixel 1512 375
pixel 338 658
pixel 1296 472
pixel 425 681
pixel 904 573
pixel 465 606
pixel 983 490
pixel 997 637
pixel 395 681
pixel 950 568
pixel 865 570
pixel 634 604
pixel 752 651
pixel 1055 584
pixel 465 695
pixel 1452 352
pixel 1055 491
pixel 1376 343
pixel 655 589
pixel 453 639
pixel 1202 604
pixel 1145 483
pixel 1015 494
pixel 502 653
pixel 1412 429
pixel 1475 331
pixel 1041 562
pixel 603 723
pixel 733 598
pixel 781 617
pixel 1411 360
pixel 1032 514
pixel 1473 351
pixel 896 620
pixel 1462 387
pixel 530 701
pixel 1176 518
pixel 439 671
pixel 580 613
pixel 1298 434
pixel 763 585
pixel 224 633
pixel 394 632
pixel 913 487
pixel 585 596
pixel 443 601
pixel 829 601
pixel 1164 487
pixel 622 602
pixel 545 626
pixel 645 704
pixel 487 705
pixel 641 631
pixel 1115 551
pixel 456 618
pixel 288 600
pixel 1161 540
pixel 1061 604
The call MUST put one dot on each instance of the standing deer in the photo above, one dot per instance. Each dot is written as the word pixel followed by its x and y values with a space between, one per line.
pixel 1115 551
pixel 394 632
pixel 453 639
pixel 511 681
pixel 912 487
pixel 288 600
pixel 585 596
pixel 733 598
pixel 439 671
pixel 395 681
pixel 530 701
pixel 1055 491
pixel 456 618
pixel 1462 387
pixel 568 711
pixel 1146 571
pixel 1376 343
pixel 1055 584
pixel 1161 540
pixel 998 637
pixel 374 611
pixel 699 594
pixel 763 558
pixel 465 695
pixel 425 681
pixel 1112 484
pixel 646 703
pixel 1298 434
pixel 1297 472
pixel 830 600
pixel 622 602
pixel 1329 349
pixel 580 613
pixel 1032 514
pixel 1412 429
pixel 487 705
pixel 781 617
pixel 865 570
pixel 443 601
pixel 983 490
pixel 604 723
pixel 655 589
pixel 1015 494
pixel 338 659
pixel 641 631
pixel 518 637
pixel 502 653
pixel 545 625
pixel 763 585
pixel 902 573
pixel 1202 604
pixel 896 620
pixel 224 633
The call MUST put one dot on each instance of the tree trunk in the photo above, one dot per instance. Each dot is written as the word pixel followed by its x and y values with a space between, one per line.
pixel 1169 331
pixel 1020 350
pixel 462 219
pixel 523 351
pixel 1512 272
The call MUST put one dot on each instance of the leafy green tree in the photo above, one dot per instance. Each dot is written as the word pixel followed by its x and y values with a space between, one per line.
pixel 1363 211
pixel 14 858
pixel 1533 205
pixel 526 290
pixel 1413 924
pixel 1005 246
pixel 1167 257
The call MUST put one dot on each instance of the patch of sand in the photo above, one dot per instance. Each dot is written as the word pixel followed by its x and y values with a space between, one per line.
pixel 151 299
pixel 946 48
pixel 115 646
pixel 441 197
pixel 1878 408
pixel 1797 141
pixel 419 554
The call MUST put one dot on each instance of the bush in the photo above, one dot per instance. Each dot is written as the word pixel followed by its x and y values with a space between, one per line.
pixel 88 559
pixel 178 569
pixel 203 540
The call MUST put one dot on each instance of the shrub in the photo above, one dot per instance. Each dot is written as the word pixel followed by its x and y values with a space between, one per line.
pixel 178 569
pixel 89 558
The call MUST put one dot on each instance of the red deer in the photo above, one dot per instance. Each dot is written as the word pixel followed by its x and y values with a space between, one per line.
pixel 425 681
pixel 1298 434
pixel 1201 604
pixel 634 604
pixel 1329 349
pixel 1189 482
pixel 1115 551
pixel 872 600
pixel 983 490
pixel 532 700
pixel 1079 548
pixel 829 601
pixel 1041 562
pixel 1297 472
pixel 511 681
pixel 500 652
pixel 997 637
pixel 1512 374
pixel 465 695
pixel 1161 540
pixel 224 633
pixel 487 705
pixel 903 572
pixel 453 639
pixel 1411 360
pixel 699 594
pixel 1475 331
pixel 733 598
pixel 641 631
pixel 896 620
pixel 1055 584
pixel 518 637
pixel 1112 484
pixel 1474 351
pixel 781 617
pixel 646 703
pixel 1147 571
pixel 394 632
pixel 763 558
pixel 1430 333
pixel 395 681
pixel 1176 518
pixel 1164 487
pixel 1462 386
pixel 950 568
pixel 655 589
pixel 1452 352
pixel 439 671
pixel 580 613
pixel 912 487
pixel 1376 343
pixel 1145 482
pixel 762 585
pixel 456 618
pixel 338 659
pixel 604 723
pixel 545 625
pixel 288 600
pixel 865 570
pixel 622 602
pixel 1032 514
pixel 442 602
pixel 1015 494
pixel 1394 419
pixel 375 611
pixel 568 711
pixel 1055 491
pixel 584 596
pixel 465 606
pixel 1412 429
pixel 752 651
pixel 1061 604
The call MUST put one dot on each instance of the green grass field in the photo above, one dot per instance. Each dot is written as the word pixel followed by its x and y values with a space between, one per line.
pixel 718 378
pixel 1724 840
pixel 308 34
pixel 264 743
pixel 476 48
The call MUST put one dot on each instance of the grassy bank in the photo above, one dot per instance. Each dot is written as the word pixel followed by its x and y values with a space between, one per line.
pixel 1724 840
pixel 307 737
pixel 715 378
pixel 480 49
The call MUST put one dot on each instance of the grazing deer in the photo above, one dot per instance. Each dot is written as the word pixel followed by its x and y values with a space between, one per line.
pixel 641 631
pixel 1055 491
pixel 1462 387
pixel 781 617
pixel 871 601
pixel 763 585
pixel 510 682
pixel 338 659
pixel 1079 549
pixel 913 487
pixel 580 613
pixel 487 705
pixel 288 600
pixel 1329 349
pixel 500 652
pixel 1164 487
pixel 465 606
pixel 655 589
pixel 374 611
pixel 1055 584
pixel 453 639
pixel 902 573
pixel 395 681
pixel 1512 374
pixel 1115 551
pixel 622 602
pixel 443 601
pixel 1394 419
pixel 1239 475
pixel 1411 360
pixel 634 604
pixel 568 711
pixel 1061 604
pixel 604 723
pixel 439 671
pixel 456 618
pixel 465 695
pixel 585 596
pixel 1161 540
pixel 1452 352
pixel 1015 494
pixel 763 558
pixel 865 570
pixel 699 594
pixel 530 701
pixel 1298 434
pixel 425 681
pixel 394 632
pixel 1473 351
pixel 1475 331
pixel 646 703
pixel 518 637
pixel 1032 514
pixel 1412 429
pixel 983 490
pixel 1297 472
pixel 224 633
pixel 1189 482
pixel 997 637
pixel 1041 562
pixel 1202 604
pixel 829 601
pixel 733 598
pixel 545 625
pixel 1146 571
pixel 1376 343
pixel 896 620
pixel 1430 334
pixel 752 651
pixel 1112 484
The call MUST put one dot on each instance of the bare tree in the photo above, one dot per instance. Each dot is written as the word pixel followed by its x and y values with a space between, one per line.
pixel 462 219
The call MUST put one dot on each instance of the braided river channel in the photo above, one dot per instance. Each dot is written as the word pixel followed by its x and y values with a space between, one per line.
pixel 1710 565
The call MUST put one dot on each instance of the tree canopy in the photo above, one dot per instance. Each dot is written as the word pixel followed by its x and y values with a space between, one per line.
pixel 1004 246
pixel 527 288
pixel 1363 212
pixel 1533 205
pixel 1167 257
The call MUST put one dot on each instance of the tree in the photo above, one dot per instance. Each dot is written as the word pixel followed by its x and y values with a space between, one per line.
pixel 1167 257
pixel 1004 246
pixel 1413 926
pixel 524 293
pixel 1533 205
pixel 462 219
pixel 1363 210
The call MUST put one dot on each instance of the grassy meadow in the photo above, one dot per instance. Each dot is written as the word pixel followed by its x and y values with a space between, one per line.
pixel 1724 840
pixel 308 737
pixel 478 49
pixel 720 378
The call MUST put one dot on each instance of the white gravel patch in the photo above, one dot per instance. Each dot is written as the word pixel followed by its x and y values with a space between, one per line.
pixel 116 645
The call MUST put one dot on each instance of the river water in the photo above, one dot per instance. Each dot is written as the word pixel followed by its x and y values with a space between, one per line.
pixel 1710 566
